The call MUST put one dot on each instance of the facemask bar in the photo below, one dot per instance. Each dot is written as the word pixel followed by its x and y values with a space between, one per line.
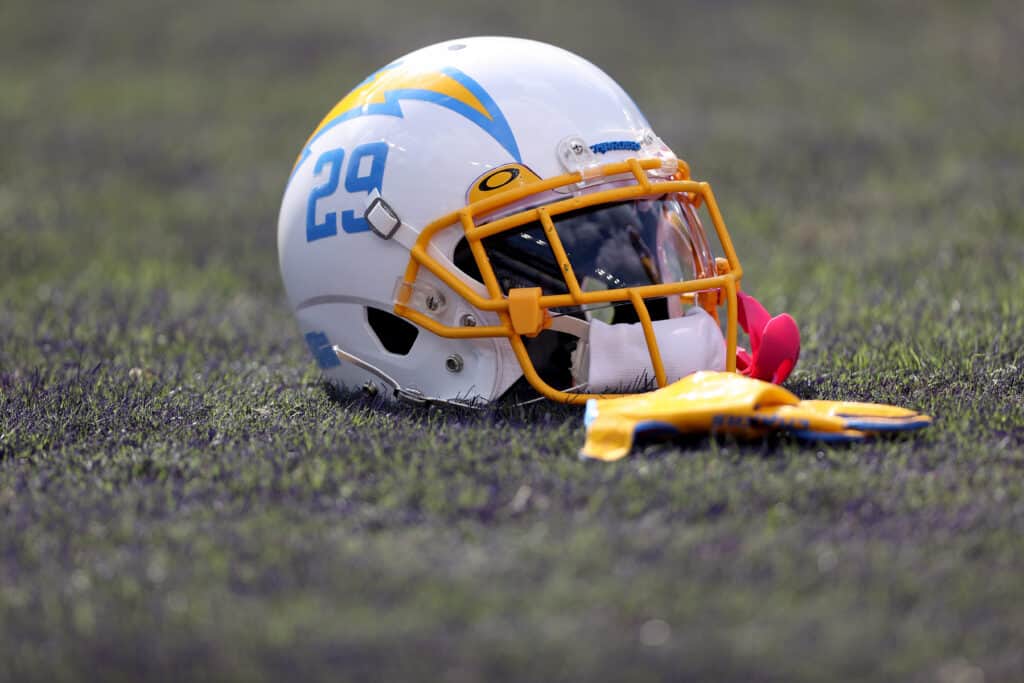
pixel 525 311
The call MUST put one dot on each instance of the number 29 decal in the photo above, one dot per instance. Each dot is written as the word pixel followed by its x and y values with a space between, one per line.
pixel 368 159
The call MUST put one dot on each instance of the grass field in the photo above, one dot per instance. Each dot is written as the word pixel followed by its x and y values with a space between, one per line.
pixel 181 498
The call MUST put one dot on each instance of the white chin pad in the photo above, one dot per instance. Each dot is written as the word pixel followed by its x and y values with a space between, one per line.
pixel 617 360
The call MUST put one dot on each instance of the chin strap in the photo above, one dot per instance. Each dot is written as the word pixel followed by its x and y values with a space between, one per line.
pixel 774 342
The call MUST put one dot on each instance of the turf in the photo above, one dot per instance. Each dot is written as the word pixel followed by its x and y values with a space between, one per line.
pixel 181 497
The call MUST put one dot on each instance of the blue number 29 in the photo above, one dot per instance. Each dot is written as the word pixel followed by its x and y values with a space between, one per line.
pixel 329 227
pixel 377 153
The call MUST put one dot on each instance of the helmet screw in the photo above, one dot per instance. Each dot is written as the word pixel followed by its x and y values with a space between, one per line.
pixel 467 320
pixel 453 363
pixel 577 148
pixel 435 301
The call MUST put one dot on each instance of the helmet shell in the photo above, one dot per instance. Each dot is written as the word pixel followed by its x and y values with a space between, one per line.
pixel 420 133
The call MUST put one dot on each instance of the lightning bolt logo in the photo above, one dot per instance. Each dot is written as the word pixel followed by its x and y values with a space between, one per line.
pixel 383 92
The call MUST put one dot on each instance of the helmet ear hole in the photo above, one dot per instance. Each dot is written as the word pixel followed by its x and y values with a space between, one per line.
pixel 395 335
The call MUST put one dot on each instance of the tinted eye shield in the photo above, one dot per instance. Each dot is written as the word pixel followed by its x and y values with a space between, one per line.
pixel 526 311
pixel 627 244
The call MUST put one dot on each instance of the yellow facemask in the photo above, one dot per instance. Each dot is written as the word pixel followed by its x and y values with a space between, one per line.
pixel 524 312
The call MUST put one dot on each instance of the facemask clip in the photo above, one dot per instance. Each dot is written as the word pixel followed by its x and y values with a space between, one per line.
pixel 577 157
pixel 420 296
pixel 651 146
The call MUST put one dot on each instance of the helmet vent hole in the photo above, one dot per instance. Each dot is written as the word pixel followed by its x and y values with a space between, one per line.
pixel 395 334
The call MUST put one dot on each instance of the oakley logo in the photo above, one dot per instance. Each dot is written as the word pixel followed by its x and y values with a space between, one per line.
pixel 498 179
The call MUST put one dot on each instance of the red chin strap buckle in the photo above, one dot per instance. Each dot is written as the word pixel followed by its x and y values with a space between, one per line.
pixel 774 342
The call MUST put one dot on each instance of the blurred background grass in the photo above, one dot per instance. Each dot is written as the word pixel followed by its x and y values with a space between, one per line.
pixel 180 497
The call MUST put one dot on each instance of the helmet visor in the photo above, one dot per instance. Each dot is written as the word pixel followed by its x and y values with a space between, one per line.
pixel 627 244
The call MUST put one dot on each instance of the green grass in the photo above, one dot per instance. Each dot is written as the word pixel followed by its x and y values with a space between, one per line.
pixel 181 497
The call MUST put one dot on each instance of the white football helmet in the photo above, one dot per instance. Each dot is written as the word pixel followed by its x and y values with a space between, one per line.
pixel 489 209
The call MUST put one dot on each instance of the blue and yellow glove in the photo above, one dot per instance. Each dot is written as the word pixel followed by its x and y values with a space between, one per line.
pixel 729 403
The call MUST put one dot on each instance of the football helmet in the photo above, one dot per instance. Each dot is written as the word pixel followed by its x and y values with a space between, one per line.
pixel 489 210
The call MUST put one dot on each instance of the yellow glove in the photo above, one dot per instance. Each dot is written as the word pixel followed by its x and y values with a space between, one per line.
pixel 729 403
